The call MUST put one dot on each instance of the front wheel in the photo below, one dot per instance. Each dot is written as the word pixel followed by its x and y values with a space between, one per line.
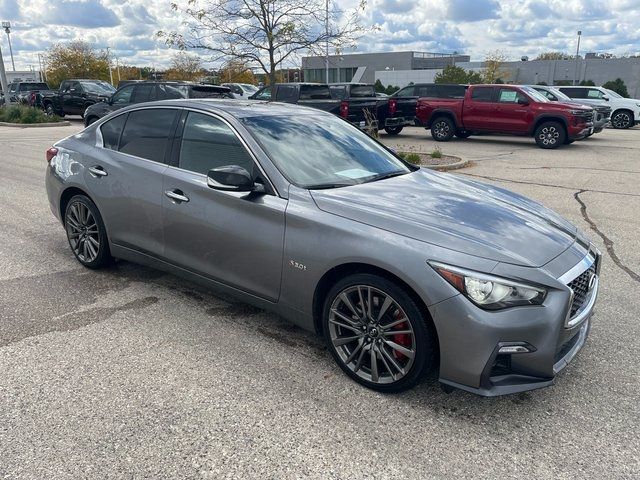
pixel 377 334
pixel 622 119
pixel 550 135
pixel 86 233
pixel 393 130
pixel 442 129
pixel 48 109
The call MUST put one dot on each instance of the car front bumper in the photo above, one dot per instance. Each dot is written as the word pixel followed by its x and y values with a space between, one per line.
pixel 473 342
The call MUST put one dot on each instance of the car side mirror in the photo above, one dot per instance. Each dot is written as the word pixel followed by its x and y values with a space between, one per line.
pixel 232 178
pixel 523 102
pixel 605 97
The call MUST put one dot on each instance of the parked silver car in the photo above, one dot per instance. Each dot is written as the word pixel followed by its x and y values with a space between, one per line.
pixel 402 269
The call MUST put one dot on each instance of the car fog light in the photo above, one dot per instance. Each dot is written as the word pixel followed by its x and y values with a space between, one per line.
pixel 514 349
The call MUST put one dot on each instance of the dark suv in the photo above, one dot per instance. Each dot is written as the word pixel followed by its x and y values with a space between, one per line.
pixel 403 103
pixel 149 92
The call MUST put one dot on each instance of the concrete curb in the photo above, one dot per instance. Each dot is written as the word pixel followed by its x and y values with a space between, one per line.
pixel 64 123
pixel 449 166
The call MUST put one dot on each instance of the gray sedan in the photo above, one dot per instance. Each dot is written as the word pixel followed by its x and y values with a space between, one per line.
pixel 401 269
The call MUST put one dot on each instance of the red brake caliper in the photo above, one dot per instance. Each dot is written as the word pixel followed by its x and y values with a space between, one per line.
pixel 403 339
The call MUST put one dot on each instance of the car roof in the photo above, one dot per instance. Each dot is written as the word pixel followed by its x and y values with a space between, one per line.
pixel 235 108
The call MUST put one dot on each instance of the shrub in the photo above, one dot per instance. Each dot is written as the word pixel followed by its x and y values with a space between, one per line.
pixel 25 114
pixel 437 153
pixel 617 86
pixel 411 157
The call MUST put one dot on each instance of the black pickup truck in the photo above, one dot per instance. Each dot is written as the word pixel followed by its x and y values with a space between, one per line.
pixel 21 92
pixel 339 99
pixel 356 100
pixel 403 103
pixel 73 97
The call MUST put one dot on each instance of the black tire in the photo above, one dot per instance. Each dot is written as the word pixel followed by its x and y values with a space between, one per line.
pixel 442 129
pixel 550 135
pixel 49 110
pixel 622 119
pixel 393 130
pixel 76 232
pixel 421 342
pixel 463 133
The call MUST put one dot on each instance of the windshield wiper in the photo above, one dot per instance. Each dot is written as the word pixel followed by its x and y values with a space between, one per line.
pixel 321 186
pixel 382 176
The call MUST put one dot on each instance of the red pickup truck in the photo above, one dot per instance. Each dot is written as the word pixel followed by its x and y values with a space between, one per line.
pixel 505 109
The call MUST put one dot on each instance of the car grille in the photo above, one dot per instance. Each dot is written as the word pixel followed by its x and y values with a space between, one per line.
pixel 580 287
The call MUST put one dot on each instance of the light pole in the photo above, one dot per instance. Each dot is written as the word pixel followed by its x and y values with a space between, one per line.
pixel 576 75
pixel 326 53
pixel 7 29
pixel 3 81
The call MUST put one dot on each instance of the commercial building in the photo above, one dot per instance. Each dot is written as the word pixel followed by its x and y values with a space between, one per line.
pixel 361 67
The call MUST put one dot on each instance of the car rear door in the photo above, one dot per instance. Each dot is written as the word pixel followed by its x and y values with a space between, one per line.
pixel 478 109
pixel 126 176
pixel 511 114
pixel 406 102
pixel 235 238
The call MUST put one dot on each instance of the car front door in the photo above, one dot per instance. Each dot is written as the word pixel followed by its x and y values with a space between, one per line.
pixel 126 176
pixel 406 103
pixel 235 238
pixel 122 97
pixel 479 109
pixel 512 111
pixel 73 100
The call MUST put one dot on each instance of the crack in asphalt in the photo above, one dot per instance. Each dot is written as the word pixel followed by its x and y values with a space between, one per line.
pixel 607 241
pixel 498 179
pixel 544 167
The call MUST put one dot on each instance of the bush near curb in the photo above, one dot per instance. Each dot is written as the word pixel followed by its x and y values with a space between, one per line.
pixel 23 114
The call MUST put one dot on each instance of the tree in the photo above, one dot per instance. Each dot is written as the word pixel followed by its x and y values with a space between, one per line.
pixel 494 67
pixel 263 33
pixel 455 74
pixel 184 67
pixel 617 86
pixel 390 90
pixel 379 87
pixel 553 56
pixel 76 59
pixel 587 83
pixel 236 72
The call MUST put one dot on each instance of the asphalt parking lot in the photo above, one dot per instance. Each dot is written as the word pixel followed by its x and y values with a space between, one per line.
pixel 132 373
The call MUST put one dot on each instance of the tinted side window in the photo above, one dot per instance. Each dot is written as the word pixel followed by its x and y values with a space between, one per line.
pixel 406 92
pixel 425 91
pixel 208 142
pixel 451 91
pixel 575 92
pixel 143 93
pixel 286 93
pixel 482 94
pixel 123 95
pixel 362 91
pixel 169 92
pixel 146 133
pixel 314 92
pixel 111 131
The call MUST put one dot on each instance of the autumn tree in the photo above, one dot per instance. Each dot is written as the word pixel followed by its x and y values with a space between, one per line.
pixel 455 74
pixel 236 72
pixel 184 67
pixel 264 33
pixel 494 68
pixel 76 59
pixel 553 56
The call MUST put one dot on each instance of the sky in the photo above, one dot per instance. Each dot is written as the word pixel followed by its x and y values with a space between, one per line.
pixel 473 27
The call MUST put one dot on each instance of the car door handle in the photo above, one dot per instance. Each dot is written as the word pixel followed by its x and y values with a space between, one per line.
pixel 176 195
pixel 97 171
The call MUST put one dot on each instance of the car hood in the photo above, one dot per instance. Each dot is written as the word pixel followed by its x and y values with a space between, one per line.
pixel 455 213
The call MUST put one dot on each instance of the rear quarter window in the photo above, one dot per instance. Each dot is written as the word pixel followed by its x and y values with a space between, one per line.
pixel 111 131
pixel 314 92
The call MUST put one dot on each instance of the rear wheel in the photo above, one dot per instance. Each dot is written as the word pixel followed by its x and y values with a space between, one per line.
pixel 86 233
pixel 442 129
pixel 550 135
pixel 377 334
pixel 48 109
pixel 622 119
pixel 393 130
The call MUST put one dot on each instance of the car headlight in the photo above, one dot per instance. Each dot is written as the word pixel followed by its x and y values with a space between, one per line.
pixel 578 112
pixel 487 291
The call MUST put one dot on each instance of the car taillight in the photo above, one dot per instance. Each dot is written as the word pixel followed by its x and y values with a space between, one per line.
pixel 51 152
pixel 393 105
pixel 33 98
pixel 344 109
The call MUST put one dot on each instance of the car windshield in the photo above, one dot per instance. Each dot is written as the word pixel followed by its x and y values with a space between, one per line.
pixel 250 89
pixel 317 152
pixel 536 95
pixel 613 94
pixel 99 88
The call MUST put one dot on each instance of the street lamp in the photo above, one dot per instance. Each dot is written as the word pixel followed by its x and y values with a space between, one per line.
pixel 7 29
pixel 576 76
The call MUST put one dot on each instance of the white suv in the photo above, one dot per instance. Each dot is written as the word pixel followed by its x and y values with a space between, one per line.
pixel 625 112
